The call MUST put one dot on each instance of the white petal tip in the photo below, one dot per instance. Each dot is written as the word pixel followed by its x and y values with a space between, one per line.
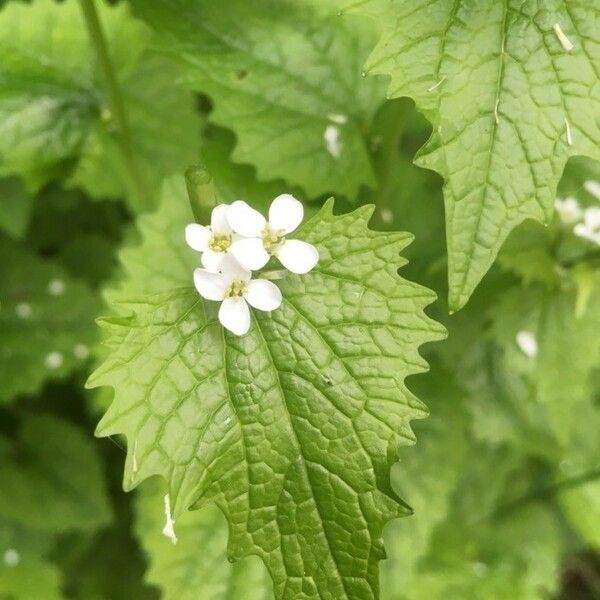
pixel 298 257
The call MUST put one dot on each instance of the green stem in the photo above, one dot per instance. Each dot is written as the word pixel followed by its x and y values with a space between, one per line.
pixel 115 98
pixel 547 492
pixel 202 192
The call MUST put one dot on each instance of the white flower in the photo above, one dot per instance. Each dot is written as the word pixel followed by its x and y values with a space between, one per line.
pixel 267 238
pixel 568 210
pixel 213 241
pixel 592 187
pixel 235 289
pixel 527 343
pixel 590 228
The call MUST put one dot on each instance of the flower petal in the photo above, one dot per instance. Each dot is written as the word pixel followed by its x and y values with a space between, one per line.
pixel 197 236
pixel 243 219
pixel 263 294
pixel 285 213
pixel 250 253
pixel 218 219
pixel 209 285
pixel 297 256
pixel 231 270
pixel 234 315
pixel 592 217
pixel 211 260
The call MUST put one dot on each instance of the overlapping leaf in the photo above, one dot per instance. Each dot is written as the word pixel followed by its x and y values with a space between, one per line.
pixel 508 102
pixel 290 429
pixel 286 78
pixel 55 118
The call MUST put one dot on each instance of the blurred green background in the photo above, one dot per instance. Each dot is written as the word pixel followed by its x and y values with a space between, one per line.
pixel 504 478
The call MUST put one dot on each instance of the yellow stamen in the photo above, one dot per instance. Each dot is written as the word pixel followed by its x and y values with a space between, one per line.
pixel 220 242
pixel 272 239
pixel 237 288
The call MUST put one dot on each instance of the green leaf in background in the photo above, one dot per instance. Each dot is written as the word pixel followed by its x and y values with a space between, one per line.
pixel 508 102
pixel 581 466
pixel 554 349
pixel 289 429
pixel 161 234
pixel 24 569
pixel 46 319
pixel 27 582
pixel 553 255
pixel 473 553
pixel 406 197
pixel 529 253
pixel 55 122
pixel 184 571
pixel 286 78
pixel 51 478
pixel 427 477
pixel 16 206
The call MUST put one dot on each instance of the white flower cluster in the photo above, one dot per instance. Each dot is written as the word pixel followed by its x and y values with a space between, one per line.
pixel 240 240
pixel 585 223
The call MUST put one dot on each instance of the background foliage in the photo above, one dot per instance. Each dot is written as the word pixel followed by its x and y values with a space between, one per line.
pixel 275 96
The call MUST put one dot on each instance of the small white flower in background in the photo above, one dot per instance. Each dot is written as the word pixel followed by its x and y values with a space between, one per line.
pixel 527 343
pixel 56 287
pixel 592 187
pixel 333 140
pixel 568 210
pixel 264 239
pixel 11 557
pixel 213 241
pixel 235 289
pixel 23 310
pixel 590 228
pixel 53 360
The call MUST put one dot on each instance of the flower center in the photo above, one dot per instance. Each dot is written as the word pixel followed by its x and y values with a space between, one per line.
pixel 236 289
pixel 272 239
pixel 220 242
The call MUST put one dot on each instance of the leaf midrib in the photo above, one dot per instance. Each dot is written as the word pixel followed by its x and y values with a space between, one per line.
pixel 304 460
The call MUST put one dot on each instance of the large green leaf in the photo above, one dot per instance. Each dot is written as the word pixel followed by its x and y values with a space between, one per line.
pixel 55 121
pixel 46 321
pixel 183 571
pixel 292 428
pixel 281 74
pixel 509 104
pixel 51 478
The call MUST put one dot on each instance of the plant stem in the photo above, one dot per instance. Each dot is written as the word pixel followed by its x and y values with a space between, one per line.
pixel 547 492
pixel 115 98
pixel 202 192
